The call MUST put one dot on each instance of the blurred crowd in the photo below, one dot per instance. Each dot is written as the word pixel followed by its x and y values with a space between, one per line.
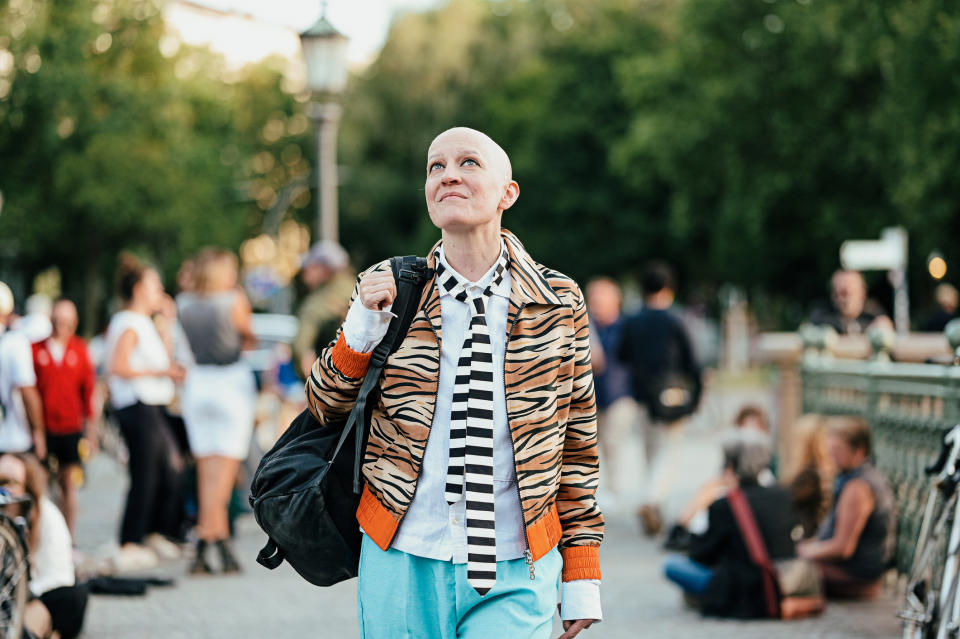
pixel 169 376
pixel 768 536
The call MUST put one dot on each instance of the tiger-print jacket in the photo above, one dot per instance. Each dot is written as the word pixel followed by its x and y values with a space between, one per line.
pixel 550 410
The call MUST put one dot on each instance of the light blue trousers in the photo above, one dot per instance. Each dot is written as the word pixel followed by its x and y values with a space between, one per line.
pixel 403 596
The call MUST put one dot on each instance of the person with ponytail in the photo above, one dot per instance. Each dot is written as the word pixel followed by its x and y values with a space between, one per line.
pixel 141 378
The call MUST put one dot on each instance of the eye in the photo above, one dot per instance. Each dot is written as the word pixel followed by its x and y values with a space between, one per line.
pixel 435 166
pixel 469 162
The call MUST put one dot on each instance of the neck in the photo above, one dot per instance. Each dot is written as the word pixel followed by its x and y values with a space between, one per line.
pixel 660 300
pixel 62 339
pixel 473 252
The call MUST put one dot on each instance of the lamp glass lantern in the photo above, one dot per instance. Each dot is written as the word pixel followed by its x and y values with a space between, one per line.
pixel 325 52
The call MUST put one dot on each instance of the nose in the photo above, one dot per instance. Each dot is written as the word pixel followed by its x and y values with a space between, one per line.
pixel 450 176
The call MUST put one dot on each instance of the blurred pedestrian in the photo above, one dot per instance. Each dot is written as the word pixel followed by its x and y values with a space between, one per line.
pixel 693 518
pixel 720 574
pixel 21 409
pixel 326 272
pixel 219 397
pixel 141 378
pixel 850 312
pixel 946 309
pixel 58 604
pixel 616 409
pixel 665 381
pixel 855 543
pixel 66 381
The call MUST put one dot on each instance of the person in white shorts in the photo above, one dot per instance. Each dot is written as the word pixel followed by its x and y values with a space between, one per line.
pixel 219 396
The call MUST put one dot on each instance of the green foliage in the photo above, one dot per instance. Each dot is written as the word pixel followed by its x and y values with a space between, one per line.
pixel 107 144
pixel 742 141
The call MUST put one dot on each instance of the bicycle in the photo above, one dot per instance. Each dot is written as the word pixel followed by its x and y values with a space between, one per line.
pixel 14 565
pixel 932 600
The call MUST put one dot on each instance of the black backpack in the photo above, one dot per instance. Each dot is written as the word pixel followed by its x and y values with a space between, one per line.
pixel 305 493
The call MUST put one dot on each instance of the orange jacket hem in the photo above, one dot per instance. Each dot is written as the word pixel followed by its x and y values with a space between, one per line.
pixel 580 562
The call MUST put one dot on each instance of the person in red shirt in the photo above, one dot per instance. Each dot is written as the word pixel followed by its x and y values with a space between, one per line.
pixel 65 379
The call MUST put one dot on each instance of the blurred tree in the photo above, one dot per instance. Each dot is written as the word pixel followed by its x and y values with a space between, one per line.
pixel 108 143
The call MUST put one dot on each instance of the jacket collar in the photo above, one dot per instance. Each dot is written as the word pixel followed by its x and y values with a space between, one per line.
pixel 527 284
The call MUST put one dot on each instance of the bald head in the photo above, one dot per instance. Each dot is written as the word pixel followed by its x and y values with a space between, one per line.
pixel 497 159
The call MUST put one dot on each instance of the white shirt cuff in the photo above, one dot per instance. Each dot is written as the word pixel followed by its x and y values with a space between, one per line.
pixel 580 599
pixel 363 329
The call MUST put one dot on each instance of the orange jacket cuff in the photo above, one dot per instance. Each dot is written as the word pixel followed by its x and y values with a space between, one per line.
pixel 580 562
pixel 349 362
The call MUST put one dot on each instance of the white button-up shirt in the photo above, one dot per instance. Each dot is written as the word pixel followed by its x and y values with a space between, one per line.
pixel 431 527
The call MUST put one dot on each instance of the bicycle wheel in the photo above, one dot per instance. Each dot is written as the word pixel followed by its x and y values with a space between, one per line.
pixel 13 580
pixel 921 611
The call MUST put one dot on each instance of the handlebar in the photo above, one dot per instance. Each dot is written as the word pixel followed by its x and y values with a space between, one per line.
pixel 949 451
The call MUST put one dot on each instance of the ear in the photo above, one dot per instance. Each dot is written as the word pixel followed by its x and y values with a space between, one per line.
pixel 510 195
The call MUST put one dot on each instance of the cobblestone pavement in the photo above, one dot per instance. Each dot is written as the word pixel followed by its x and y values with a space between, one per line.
pixel 637 601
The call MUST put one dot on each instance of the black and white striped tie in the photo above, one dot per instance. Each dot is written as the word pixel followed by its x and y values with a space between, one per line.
pixel 471 428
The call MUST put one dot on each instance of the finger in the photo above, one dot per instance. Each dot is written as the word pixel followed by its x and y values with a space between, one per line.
pixel 574 628
pixel 375 300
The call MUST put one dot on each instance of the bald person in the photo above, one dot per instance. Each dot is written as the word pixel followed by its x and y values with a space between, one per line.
pixel 66 381
pixel 481 466
pixel 850 312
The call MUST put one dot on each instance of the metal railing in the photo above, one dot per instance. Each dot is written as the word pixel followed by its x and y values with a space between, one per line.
pixel 908 407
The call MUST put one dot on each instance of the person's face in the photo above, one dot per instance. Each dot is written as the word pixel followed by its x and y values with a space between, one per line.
pixel 603 302
pixel 149 289
pixel 843 455
pixel 754 423
pixel 314 275
pixel 849 294
pixel 468 181
pixel 13 475
pixel 64 319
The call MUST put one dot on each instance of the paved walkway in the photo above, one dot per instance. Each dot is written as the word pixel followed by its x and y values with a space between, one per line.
pixel 261 603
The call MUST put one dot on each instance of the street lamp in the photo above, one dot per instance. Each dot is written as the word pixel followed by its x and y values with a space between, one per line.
pixel 325 52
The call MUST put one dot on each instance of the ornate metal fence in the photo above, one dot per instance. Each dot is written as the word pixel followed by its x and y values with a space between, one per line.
pixel 908 407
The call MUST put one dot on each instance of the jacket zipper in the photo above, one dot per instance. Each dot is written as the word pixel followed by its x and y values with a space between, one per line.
pixel 527 555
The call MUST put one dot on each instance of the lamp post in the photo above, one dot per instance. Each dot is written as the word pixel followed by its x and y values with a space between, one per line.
pixel 325 52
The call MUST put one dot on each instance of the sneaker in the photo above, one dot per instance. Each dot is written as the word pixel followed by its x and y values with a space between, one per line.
pixel 134 557
pixel 165 549
pixel 650 520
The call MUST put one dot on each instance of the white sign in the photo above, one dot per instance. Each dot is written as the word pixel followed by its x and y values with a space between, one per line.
pixel 886 254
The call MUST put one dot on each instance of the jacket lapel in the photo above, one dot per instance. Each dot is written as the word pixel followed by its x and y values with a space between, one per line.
pixel 527 285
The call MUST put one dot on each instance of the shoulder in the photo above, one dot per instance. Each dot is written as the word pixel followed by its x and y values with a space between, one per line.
pixel 565 287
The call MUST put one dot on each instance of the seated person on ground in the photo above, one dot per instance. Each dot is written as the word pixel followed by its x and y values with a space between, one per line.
pixel 719 574
pixel 809 472
pixel 855 543
pixel 693 519
pixel 57 603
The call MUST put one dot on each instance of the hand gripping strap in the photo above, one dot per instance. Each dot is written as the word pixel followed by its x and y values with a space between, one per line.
pixel 410 273
pixel 757 549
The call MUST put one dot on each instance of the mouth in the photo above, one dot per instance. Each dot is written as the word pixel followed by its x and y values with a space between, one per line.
pixel 450 195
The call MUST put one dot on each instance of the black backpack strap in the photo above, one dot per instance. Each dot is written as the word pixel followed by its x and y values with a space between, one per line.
pixel 411 274
pixel 270 556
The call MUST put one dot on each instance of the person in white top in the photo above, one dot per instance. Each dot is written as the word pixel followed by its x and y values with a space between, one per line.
pixel 21 408
pixel 59 604
pixel 141 379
